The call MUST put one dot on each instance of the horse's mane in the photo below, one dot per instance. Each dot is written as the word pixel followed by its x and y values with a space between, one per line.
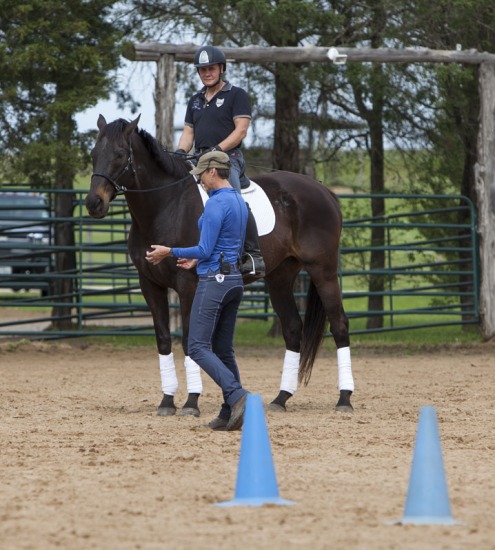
pixel 175 166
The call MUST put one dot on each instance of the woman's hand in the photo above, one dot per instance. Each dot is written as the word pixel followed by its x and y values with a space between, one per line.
pixel 158 253
pixel 186 263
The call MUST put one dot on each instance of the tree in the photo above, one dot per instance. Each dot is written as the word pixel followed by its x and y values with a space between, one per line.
pixel 364 92
pixel 453 130
pixel 370 96
pixel 56 58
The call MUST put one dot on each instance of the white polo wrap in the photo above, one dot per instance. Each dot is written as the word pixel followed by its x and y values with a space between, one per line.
pixel 168 374
pixel 290 371
pixel 346 382
pixel 193 376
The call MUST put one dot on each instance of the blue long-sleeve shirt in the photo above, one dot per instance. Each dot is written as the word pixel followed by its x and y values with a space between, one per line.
pixel 222 229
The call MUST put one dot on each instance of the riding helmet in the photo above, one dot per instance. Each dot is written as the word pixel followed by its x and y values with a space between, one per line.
pixel 209 55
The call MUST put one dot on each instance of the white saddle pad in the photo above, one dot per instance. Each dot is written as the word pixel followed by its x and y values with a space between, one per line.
pixel 259 203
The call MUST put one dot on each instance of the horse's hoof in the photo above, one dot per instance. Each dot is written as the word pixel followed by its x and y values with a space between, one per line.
pixel 344 402
pixel 276 407
pixel 189 411
pixel 348 409
pixel 166 411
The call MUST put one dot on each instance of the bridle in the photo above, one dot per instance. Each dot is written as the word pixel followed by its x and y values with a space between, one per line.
pixel 121 189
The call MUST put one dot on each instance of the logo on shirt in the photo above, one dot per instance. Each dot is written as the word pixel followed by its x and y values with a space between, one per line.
pixel 219 102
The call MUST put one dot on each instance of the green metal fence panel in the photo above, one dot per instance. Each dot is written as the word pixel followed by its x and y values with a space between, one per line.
pixel 430 273
pixel 429 276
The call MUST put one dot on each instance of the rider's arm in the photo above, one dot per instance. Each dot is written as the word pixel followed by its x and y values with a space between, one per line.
pixel 240 132
pixel 186 140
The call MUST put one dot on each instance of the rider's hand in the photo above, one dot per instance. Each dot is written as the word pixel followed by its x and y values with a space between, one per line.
pixel 211 149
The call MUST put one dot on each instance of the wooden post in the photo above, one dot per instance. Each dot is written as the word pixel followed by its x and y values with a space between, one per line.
pixel 485 191
pixel 165 88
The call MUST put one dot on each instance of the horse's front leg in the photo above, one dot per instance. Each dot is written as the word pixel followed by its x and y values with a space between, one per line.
pixel 157 299
pixel 186 287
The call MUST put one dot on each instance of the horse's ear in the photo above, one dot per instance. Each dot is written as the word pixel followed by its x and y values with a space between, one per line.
pixel 101 123
pixel 129 129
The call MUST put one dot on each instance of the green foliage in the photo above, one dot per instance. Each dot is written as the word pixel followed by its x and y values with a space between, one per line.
pixel 56 58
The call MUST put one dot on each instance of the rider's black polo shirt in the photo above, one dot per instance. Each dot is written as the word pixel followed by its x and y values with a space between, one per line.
pixel 214 121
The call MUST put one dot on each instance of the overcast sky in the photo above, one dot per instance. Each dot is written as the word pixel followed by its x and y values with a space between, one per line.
pixel 138 79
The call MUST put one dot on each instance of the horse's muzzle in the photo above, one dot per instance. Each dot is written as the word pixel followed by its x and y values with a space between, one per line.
pixel 96 206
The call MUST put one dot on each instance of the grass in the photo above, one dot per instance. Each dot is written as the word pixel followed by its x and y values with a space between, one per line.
pixel 254 333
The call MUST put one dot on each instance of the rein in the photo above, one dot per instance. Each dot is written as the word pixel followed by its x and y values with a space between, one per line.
pixel 121 189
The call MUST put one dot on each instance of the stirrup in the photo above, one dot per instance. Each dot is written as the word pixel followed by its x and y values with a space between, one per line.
pixel 252 264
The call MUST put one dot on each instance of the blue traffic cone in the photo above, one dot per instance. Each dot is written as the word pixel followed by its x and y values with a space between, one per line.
pixel 256 480
pixel 427 499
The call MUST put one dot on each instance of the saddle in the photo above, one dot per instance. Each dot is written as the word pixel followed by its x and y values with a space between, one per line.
pixel 260 205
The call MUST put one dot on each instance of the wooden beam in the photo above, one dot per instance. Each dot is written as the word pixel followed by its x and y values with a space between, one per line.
pixel 151 51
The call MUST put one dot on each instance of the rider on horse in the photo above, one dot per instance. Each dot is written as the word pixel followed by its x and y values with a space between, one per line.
pixel 217 119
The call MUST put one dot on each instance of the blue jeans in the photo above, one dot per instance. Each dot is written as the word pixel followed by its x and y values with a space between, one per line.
pixel 211 334
pixel 237 167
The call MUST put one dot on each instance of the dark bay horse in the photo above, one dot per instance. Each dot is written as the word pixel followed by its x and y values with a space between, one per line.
pixel 165 204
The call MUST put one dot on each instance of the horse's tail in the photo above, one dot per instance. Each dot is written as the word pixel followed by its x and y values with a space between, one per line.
pixel 314 324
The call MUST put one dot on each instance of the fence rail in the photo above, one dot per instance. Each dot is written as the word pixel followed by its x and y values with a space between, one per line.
pixel 428 277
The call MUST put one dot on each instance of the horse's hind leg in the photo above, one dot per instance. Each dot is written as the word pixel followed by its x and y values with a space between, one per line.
pixel 329 291
pixel 280 284
pixel 340 332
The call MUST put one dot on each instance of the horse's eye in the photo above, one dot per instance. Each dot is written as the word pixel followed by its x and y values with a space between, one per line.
pixel 121 155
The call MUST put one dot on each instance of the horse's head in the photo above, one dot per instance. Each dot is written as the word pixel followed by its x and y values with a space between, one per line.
pixel 112 164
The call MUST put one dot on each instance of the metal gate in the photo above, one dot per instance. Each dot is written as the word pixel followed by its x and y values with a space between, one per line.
pixel 429 275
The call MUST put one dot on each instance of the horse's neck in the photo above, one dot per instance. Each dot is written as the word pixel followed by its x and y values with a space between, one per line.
pixel 147 209
pixel 160 213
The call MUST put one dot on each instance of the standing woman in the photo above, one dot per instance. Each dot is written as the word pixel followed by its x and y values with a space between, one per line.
pixel 220 288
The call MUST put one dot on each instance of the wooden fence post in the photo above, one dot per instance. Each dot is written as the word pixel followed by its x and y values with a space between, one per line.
pixel 485 191
pixel 165 88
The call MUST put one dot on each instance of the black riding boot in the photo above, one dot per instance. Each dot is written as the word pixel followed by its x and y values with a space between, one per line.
pixel 252 260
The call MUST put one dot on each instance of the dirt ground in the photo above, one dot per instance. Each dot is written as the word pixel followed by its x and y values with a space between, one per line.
pixel 86 463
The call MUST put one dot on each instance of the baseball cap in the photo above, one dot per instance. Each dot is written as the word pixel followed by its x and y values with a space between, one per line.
pixel 213 159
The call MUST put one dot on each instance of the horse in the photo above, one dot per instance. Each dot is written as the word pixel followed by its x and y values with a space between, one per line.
pixel 165 204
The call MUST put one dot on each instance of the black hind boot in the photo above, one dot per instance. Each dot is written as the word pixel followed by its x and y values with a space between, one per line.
pixel 252 260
